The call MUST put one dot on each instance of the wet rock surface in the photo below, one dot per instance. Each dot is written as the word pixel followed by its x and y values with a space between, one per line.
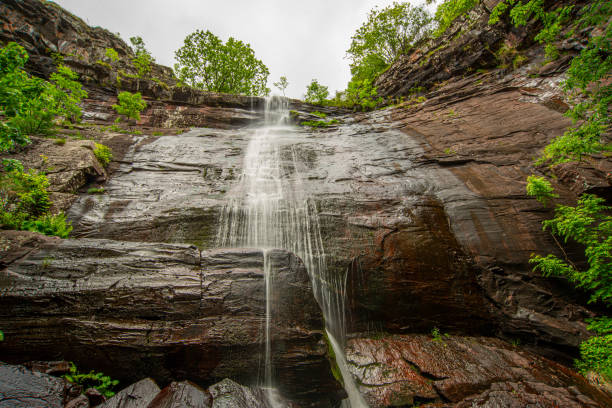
pixel 137 395
pixel 167 310
pixel 181 394
pixel 421 206
pixel 20 387
pixel 456 236
pixel 229 394
pixel 455 371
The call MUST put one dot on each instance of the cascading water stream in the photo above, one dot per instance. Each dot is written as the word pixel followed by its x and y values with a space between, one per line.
pixel 269 208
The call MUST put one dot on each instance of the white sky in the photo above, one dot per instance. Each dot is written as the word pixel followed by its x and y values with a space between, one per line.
pixel 301 39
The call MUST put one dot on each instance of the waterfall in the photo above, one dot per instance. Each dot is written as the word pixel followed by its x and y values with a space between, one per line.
pixel 269 208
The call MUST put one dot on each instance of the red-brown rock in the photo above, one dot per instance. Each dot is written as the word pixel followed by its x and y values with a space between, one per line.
pixel 460 371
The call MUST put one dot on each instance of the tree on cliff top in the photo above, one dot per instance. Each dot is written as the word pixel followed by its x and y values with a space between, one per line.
pixel 205 62
pixel 387 34
pixel 143 58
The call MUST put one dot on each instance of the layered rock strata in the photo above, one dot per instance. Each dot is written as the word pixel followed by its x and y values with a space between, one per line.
pixel 167 310
pixel 451 371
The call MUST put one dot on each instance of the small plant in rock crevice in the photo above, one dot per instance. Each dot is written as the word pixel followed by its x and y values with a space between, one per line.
pixel 99 381
pixel 438 336
pixel 103 154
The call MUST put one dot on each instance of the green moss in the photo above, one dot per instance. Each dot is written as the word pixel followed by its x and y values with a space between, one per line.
pixel 319 123
pixel 104 64
pixel 331 356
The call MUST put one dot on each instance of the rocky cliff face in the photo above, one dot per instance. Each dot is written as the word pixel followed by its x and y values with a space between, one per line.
pixel 422 209
pixel 165 310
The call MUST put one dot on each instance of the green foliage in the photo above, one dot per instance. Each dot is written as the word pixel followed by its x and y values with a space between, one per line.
pixel 24 202
pixel 130 105
pixel 449 11
pixel 66 93
pixel 49 225
pixel 596 355
pixel 143 59
pixel 205 62
pixel 30 104
pixel 387 34
pixel 103 154
pixel 94 190
pixel 322 115
pixel 438 336
pixel 160 83
pixel 596 352
pixel 111 54
pixel 99 381
pixel 588 225
pixel 142 62
pixel 521 13
pixel 282 84
pixel 24 192
pixel 23 99
pixel 519 60
pixel 587 76
pixel 319 123
pixel 541 189
pixel 11 137
pixel 362 93
pixel 316 93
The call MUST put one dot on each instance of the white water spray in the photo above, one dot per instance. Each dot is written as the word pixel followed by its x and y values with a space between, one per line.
pixel 270 208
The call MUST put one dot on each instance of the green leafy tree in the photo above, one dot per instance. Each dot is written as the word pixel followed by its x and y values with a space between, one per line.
pixel 282 84
pixel 31 104
pixel 205 62
pixel 67 93
pixel 130 105
pixel 387 34
pixel 316 93
pixel 362 93
pixel 23 100
pixel 143 58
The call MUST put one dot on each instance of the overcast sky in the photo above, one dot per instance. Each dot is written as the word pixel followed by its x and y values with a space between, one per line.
pixel 301 39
